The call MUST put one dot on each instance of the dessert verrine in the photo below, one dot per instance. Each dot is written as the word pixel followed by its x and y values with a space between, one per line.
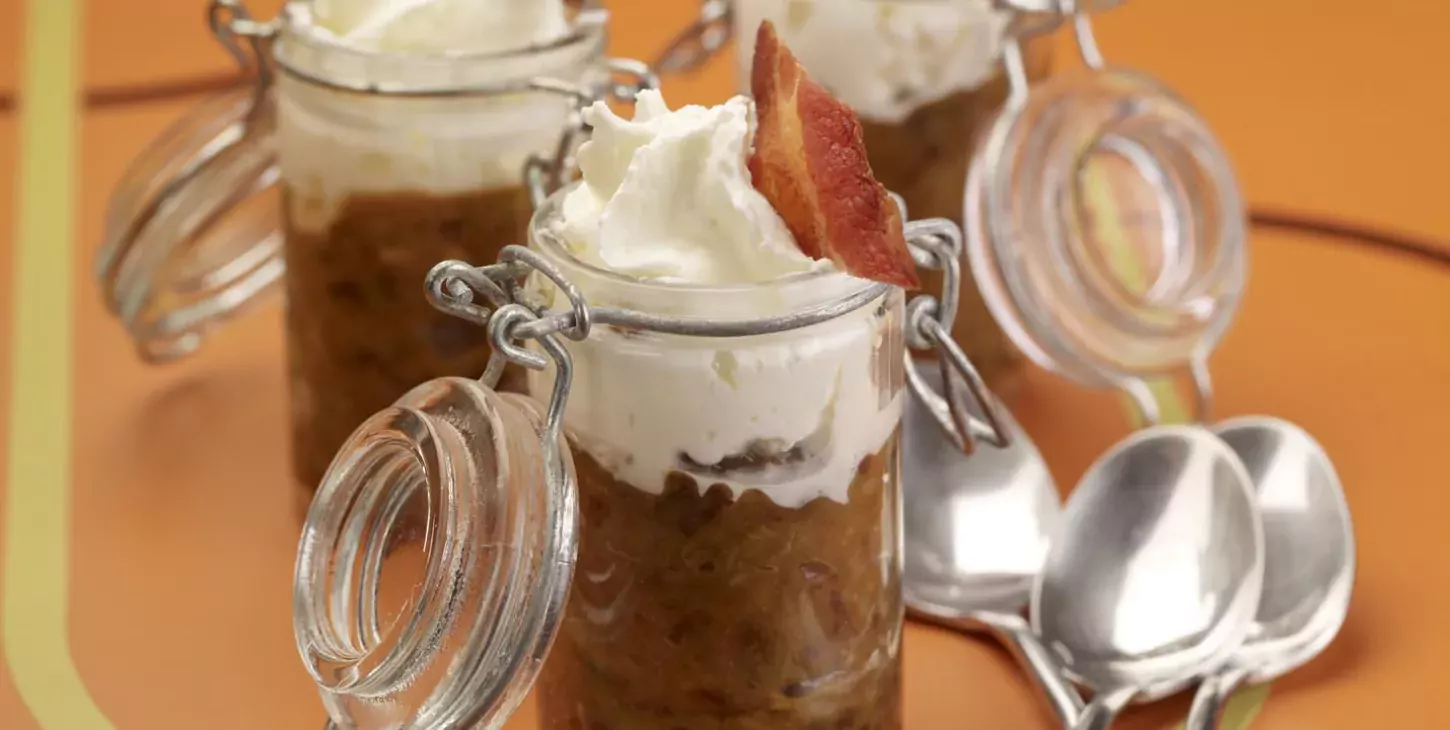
pixel 925 76
pixel 380 185
pixel 738 562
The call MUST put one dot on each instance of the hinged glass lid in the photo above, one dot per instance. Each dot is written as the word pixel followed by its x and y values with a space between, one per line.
pixel 190 236
pixel 1105 224
pixel 435 561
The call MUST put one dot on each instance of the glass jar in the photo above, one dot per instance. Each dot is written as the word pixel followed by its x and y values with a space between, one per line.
pixel 925 77
pixel 702 529
pixel 386 163
pixel 739 501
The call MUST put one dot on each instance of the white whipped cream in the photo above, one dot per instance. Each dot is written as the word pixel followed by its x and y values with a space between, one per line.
pixel 667 196
pixel 333 144
pixel 667 200
pixel 884 58
pixel 441 26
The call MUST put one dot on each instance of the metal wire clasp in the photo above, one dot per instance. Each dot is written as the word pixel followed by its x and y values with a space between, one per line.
pixel 232 25
pixel 512 316
pixel 701 40
pixel 1038 17
pixel 936 244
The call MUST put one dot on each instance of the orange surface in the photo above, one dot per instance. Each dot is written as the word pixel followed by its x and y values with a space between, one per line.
pixel 183 535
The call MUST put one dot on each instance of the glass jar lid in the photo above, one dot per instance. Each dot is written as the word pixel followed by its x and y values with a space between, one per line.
pixel 1105 225
pixel 191 233
pixel 435 561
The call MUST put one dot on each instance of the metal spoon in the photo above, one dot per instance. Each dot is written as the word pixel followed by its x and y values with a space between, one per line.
pixel 1309 558
pixel 1156 573
pixel 977 530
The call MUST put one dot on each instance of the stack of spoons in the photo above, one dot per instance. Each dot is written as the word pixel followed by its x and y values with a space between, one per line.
pixel 1185 555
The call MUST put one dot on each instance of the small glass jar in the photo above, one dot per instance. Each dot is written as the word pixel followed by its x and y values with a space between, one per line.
pixel 925 77
pixel 378 188
pixel 387 162
pixel 738 562
pixel 700 529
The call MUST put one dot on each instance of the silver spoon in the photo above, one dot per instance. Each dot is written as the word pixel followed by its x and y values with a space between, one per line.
pixel 1156 573
pixel 1309 558
pixel 976 531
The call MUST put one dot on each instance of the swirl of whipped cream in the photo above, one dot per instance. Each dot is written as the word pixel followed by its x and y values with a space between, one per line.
pixel 668 197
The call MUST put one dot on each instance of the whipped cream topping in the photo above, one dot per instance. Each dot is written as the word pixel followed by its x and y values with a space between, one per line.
pixel 668 196
pixel 666 201
pixel 333 145
pixel 884 58
pixel 441 26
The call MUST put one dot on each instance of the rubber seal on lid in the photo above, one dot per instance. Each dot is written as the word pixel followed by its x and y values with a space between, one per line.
pixel 435 561
pixel 192 231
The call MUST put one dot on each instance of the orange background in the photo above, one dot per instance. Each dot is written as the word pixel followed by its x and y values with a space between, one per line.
pixel 182 527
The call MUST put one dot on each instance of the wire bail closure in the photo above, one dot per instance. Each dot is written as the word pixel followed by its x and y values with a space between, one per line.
pixel 232 25
pixel 512 316
pixel 701 40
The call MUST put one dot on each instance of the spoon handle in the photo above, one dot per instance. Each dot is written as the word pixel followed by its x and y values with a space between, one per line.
pixel 1213 693
pixel 1104 709
pixel 1017 637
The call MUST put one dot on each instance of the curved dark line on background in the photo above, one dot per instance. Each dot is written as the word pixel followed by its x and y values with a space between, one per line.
pixel 1423 250
pixel 109 97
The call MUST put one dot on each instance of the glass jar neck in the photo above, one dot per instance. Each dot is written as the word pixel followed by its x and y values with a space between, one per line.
pixel 1107 226
pixel 433 561
pixel 305 51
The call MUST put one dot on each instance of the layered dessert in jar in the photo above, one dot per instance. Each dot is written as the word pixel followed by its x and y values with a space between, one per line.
pixel 925 76
pixel 739 565
pixel 380 185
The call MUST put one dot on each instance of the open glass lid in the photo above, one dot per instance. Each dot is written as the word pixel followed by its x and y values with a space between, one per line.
pixel 1105 225
pixel 436 559
pixel 192 231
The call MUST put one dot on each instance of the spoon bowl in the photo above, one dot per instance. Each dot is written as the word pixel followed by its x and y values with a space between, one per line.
pixel 977 529
pixel 1155 575
pixel 1309 557
pixel 1309 545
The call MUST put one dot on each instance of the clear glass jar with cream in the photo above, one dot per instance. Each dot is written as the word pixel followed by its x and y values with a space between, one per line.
pixel 738 561
pixel 397 135
pixel 926 77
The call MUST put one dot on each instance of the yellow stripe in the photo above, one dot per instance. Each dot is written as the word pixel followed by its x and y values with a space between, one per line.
pixel 37 511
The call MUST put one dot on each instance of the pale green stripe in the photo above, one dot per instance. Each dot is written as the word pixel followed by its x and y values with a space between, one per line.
pixel 37 510
pixel 1244 706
